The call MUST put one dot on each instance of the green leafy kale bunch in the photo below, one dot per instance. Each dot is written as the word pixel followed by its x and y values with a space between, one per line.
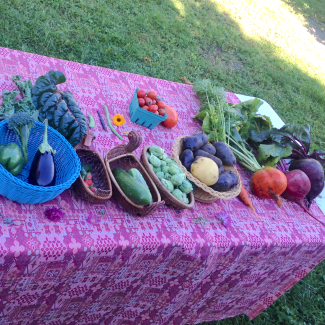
pixel 9 104
pixel 21 114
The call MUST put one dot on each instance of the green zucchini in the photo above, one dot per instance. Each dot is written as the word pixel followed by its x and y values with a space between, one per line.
pixel 137 175
pixel 132 188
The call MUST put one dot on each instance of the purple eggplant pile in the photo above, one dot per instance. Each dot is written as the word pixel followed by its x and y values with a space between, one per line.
pixel 196 147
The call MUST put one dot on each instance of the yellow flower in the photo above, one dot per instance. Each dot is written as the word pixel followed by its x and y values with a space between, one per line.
pixel 118 119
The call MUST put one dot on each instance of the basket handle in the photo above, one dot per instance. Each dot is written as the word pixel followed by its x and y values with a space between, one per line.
pixel 86 140
pixel 135 141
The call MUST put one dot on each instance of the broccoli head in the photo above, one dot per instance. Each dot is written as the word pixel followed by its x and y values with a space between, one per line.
pixel 21 123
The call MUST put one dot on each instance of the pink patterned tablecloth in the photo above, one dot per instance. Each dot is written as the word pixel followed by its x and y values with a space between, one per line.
pixel 173 267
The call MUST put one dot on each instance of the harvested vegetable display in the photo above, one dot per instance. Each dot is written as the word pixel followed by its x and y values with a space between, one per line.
pixel 148 102
pixel 59 107
pixel 10 105
pixel 87 176
pixel 133 189
pixel 299 139
pixel 269 183
pixel 91 121
pixel 170 175
pixel 297 189
pixel 172 116
pixel 244 196
pixel 197 157
pixel 222 120
pixel 110 124
pixel 144 108
pixel 102 121
pixel 21 115
pixel 205 170
pixel 195 141
pixel 315 172
pixel 43 171
pixel 202 153
pixel 226 180
pixel 11 158
pixel 22 123
pixel 135 173
pixel 224 153
pixel 237 125
pixel 187 158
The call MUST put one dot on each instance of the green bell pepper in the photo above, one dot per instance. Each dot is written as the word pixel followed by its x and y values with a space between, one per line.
pixel 11 158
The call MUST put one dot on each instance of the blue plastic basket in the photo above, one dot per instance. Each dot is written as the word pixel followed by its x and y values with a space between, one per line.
pixel 67 164
pixel 143 117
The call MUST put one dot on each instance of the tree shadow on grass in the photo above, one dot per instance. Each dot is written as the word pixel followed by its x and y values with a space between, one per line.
pixel 314 13
pixel 244 65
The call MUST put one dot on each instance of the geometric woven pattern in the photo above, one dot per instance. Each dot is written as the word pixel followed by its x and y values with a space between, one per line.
pixel 173 267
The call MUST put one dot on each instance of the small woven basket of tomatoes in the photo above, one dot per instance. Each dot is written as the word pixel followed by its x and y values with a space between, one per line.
pixel 146 109
pixel 93 183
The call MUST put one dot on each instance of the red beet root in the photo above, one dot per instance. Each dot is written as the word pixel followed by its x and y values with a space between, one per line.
pixel 298 187
pixel 315 172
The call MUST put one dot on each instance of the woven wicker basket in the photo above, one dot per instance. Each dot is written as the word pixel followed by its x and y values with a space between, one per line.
pixel 121 157
pixel 165 194
pixel 101 179
pixel 204 193
pixel 67 165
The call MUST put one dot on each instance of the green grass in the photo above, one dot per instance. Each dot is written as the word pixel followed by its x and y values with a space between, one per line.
pixel 255 47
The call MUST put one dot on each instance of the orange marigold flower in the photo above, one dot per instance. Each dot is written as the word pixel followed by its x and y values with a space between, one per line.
pixel 118 119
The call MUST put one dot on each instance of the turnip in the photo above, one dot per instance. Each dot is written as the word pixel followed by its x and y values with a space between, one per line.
pixel 298 187
pixel 315 172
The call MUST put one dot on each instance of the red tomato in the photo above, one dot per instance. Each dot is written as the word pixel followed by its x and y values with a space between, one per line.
pixel 145 107
pixel 93 189
pixel 148 101
pixel 172 117
pixel 154 102
pixel 88 182
pixel 161 104
pixel 152 94
pixel 142 102
pixel 89 176
pixel 161 112
pixel 157 113
pixel 153 108
pixel 141 93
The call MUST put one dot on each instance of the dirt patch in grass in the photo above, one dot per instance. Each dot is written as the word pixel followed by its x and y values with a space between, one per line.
pixel 217 56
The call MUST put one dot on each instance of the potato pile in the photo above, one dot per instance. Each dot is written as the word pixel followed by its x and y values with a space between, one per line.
pixel 206 162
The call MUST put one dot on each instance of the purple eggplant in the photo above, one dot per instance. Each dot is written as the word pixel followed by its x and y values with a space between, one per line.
pixel 42 172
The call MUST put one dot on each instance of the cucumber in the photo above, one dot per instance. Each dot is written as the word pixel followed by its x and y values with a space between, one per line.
pixel 132 188
pixel 137 175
